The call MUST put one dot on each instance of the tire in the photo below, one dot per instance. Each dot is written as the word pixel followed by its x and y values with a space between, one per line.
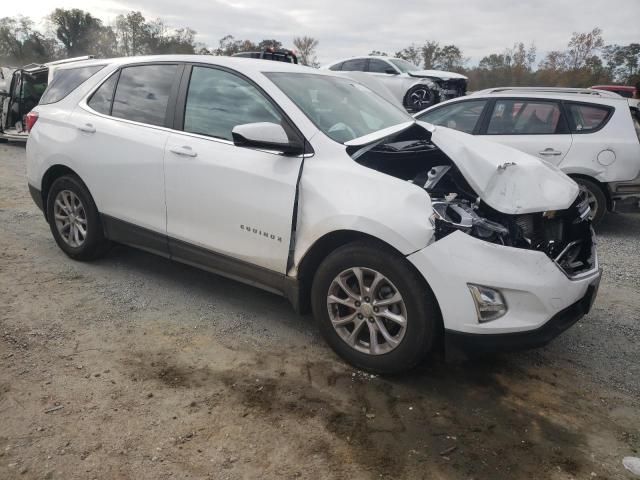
pixel 418 306
pixel 70 191
pixel 418 98
pixel 597 199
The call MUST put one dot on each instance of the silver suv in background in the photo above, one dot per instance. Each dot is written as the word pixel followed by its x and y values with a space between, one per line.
pixel 593 136
pixel 414 88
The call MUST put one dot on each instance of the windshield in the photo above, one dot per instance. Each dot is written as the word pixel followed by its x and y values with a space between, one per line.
pixel 403 65
pixel 343 109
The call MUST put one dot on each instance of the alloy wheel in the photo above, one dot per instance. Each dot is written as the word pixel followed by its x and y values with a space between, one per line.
pixel 420 99
pixel 70 218
pixel 367 311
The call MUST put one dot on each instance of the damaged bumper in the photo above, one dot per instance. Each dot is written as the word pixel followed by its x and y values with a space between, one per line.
pixel 541 299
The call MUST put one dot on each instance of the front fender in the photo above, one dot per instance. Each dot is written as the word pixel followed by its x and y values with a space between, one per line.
pixel 355 198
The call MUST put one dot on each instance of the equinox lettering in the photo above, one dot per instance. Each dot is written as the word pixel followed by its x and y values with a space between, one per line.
pixel 259 232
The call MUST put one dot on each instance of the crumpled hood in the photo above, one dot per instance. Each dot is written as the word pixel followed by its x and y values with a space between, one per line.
pixel 506 179
pixel 437 74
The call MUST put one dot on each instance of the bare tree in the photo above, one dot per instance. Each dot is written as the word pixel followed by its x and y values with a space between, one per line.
pixel 306 47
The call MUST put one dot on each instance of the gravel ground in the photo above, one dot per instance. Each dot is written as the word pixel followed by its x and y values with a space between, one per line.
pixel 136 367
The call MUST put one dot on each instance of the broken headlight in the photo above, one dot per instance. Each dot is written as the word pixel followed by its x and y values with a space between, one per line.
pixel 451 214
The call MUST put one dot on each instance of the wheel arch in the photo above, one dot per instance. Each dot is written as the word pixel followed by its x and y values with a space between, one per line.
pixel 323 247
pixel 51 175
pixel 603 186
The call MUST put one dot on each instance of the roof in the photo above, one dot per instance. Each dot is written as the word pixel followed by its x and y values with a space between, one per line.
pixel 244 65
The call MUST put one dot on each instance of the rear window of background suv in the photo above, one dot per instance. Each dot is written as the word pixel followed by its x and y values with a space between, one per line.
pixel 66 81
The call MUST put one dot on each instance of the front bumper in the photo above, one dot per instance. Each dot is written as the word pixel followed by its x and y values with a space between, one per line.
pixel 539 337
pixel 540 297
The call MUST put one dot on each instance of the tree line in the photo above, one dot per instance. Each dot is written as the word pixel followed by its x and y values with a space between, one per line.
pixel 75 32
pixel 585 61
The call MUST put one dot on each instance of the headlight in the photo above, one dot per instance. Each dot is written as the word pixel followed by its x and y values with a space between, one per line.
pixel 489 302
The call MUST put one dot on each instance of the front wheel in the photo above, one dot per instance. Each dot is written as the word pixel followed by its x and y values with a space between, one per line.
pixel 418 98
pixel 373 309
pixel 596 197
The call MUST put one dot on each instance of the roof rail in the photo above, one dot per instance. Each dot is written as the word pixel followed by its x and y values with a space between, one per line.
pixel 575 91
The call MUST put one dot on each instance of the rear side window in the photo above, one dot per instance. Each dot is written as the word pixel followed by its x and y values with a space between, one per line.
pixel 524 117
pixel 337 66
pixel 142 94
pixel 66 81
pixel 103 97
pixel 217 101
pixel 587 118
pixel 355 65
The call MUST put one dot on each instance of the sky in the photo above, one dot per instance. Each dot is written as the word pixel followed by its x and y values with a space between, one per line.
pixel 355 27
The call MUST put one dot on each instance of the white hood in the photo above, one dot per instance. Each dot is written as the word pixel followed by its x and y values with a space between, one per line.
pixel 506 179
pixel 438 74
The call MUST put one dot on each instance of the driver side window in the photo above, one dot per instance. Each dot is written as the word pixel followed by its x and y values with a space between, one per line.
pixel 218 100
pixel 378 66
pixel 462 116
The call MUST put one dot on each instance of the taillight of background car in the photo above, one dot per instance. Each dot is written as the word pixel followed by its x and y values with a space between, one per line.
pixel 30 120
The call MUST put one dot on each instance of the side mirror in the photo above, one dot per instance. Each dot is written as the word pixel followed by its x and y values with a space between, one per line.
pixel 390 71
pixel 266 136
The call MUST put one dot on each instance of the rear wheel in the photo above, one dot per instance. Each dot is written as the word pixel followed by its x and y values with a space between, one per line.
pixel 597 199
pixel 373 309
pixel 74 219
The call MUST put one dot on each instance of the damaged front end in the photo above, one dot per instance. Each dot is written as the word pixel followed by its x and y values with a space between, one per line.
pixel 481 196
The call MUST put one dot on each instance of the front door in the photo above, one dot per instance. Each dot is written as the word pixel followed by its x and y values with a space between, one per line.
pixel 230 202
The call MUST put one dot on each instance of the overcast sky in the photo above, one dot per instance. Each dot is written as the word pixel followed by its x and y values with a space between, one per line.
pixel 355 27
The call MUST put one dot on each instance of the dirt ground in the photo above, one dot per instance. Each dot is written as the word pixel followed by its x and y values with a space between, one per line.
pixel 134 367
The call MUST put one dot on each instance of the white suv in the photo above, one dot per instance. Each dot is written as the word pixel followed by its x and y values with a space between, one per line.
pixel 311 186
pixel 592 135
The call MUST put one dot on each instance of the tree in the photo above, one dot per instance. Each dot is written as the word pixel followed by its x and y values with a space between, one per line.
pixel 306 47
pixel 228 46
pixel 430 52
pixel 377 53
pixel 269 43
pixel 75 29
pixel 20 44
pixel 410 54
pixel 449 58
pixel 583 47
pixel 133 34
pixel 623 62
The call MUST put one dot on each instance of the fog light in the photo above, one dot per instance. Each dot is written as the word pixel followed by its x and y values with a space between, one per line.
pixel 489 302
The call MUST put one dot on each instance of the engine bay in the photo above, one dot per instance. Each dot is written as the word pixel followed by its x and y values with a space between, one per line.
pixel 565 236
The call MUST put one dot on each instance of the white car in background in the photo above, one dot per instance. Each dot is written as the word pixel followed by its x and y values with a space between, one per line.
pixel 309 185
pixel 591 135
pixel 413 88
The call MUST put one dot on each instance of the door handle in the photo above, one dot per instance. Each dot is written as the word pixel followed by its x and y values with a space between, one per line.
pixel 87 128
pixel 550 152
pixel 184 151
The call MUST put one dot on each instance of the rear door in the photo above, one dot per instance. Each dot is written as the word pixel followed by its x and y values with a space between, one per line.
pixel 121 134
pixel 229 208
pixel 535 126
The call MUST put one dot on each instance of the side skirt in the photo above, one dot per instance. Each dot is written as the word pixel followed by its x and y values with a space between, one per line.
pixel 189 254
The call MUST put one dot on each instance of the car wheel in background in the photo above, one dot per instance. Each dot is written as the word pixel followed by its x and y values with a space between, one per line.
pixel 74 219
pixel 597 199
pixel 373 309
pixel 419 97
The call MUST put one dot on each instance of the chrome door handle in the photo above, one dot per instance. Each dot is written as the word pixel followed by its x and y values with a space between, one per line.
pixel 87 128
pixel 184 151
pixel 550 152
